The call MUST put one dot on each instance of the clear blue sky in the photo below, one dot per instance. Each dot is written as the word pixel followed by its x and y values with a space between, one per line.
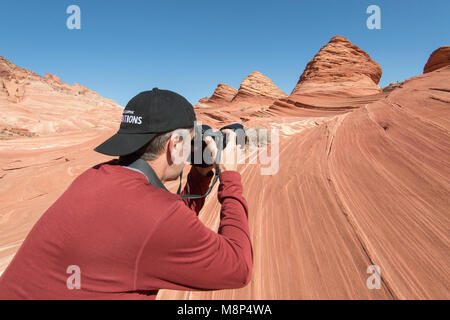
pixel 125 47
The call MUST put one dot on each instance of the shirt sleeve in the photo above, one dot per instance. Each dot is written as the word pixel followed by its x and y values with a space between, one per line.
pixel 196 184
pixel 183 254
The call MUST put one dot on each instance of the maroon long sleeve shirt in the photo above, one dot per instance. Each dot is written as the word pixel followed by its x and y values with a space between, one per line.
pixel 126 239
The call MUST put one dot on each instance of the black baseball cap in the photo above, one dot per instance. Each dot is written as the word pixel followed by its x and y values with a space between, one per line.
pixel 145 116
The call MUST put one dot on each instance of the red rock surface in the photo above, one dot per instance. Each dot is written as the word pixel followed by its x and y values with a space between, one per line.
pixel 362 180
pixel 438 59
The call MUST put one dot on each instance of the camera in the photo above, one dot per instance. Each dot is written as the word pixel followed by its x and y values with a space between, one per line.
pixel 198 156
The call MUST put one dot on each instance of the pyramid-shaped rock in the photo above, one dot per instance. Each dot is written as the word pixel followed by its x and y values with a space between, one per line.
pixel 258 85
pixel 340 67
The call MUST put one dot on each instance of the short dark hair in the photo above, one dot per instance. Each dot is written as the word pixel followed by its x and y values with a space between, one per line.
pixel 155 147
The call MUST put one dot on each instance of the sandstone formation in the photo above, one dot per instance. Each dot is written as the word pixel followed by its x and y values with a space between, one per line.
pixel 340 78
pixel 43 105
pixel 362 180
pixel 223 94
pixel 256 93
pixel 438 59
pixel 340 69
pixel 258 85
pixel 369 186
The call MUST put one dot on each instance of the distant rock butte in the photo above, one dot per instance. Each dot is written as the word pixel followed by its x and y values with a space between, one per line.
pixel 42 105
pixel 438 59
pixel 258 85
pixel 223 94
pixel 340 68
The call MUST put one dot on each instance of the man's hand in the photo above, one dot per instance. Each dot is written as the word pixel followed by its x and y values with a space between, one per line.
pixel 231 154
pixel 211 145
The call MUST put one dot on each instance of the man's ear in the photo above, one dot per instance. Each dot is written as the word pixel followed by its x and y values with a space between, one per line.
pixel 169 148
pixel 173 145
pixel 179 146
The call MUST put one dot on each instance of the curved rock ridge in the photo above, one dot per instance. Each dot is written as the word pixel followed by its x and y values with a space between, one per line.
pixel 438 59
pixel 258 85
pixel 340 68
pixel 42 105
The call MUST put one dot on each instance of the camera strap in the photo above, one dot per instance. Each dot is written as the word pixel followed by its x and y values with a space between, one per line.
pixel 140 165
pixel 195 196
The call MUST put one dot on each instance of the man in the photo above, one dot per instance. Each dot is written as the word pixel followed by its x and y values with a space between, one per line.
pixel 117 233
